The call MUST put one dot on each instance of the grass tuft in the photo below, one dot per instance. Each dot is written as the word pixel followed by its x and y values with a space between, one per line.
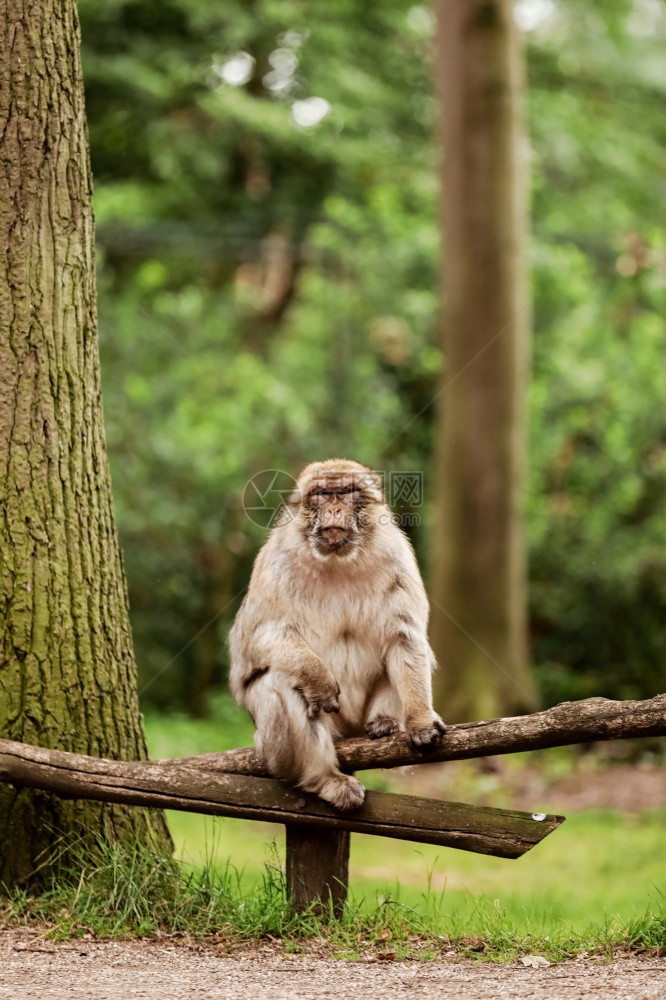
pixel 119 891
pixel 648 931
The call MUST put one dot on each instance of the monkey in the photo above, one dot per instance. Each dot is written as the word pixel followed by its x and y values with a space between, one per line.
pixel 330 640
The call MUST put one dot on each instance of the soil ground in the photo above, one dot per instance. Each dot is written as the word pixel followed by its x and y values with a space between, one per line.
pixel 591 781
pixel 33 967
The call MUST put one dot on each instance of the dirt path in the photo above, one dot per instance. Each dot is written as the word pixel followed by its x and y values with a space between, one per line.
pixel 32 967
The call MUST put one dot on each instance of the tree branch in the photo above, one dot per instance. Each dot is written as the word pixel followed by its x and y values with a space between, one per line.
pixel 589 721
pixel 234 783
pixel 593 720
pixel 191 788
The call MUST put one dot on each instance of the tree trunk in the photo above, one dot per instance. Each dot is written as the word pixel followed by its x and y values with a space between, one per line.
pixel 478 571
pixel 67 671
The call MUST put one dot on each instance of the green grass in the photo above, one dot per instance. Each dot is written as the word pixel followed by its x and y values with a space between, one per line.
pixel 598 866
pixel 180 736
pixel 113 891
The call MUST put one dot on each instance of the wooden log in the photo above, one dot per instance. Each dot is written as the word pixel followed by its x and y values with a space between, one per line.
pixel 168 785
pixel 317 867
pixel 588 721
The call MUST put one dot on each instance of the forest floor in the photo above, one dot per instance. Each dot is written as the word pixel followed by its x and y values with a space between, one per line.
pixel 592 781
pixel 31 966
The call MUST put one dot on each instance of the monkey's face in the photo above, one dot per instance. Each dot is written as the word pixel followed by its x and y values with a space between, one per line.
pixel 335 507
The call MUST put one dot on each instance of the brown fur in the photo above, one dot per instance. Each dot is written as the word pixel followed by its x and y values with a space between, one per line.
pixel 331 639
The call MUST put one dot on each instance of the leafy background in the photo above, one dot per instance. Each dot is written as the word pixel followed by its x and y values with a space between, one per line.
pixel 268 294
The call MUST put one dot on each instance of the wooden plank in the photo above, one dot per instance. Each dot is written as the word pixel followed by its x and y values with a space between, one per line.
pixel 498 832
pixel 317 868
pixel 589 721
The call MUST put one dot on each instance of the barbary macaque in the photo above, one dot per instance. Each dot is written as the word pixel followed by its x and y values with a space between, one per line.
pixel 331 638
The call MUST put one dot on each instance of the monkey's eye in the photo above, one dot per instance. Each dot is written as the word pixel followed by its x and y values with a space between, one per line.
pixel 319 496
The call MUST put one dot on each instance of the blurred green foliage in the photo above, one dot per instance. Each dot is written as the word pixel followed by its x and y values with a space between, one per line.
pixel 268 295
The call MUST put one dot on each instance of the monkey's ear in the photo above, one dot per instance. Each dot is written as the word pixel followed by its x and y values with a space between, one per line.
pixel 295 497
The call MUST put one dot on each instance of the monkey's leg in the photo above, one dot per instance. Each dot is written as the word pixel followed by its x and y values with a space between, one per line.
pixel 384 711
pixel 296 747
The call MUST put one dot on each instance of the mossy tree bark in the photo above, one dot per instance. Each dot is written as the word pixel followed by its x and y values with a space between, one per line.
pixel 478 572
pixel 67 670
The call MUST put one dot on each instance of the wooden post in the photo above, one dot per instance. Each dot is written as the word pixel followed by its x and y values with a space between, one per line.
pixel 317 867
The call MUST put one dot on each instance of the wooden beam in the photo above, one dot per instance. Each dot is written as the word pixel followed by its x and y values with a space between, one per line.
pixel 317 868
pixel 192 788
pixel 589 721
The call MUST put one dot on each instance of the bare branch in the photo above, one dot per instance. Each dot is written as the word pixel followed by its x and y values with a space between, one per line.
pixel 589 721
pixel 234 783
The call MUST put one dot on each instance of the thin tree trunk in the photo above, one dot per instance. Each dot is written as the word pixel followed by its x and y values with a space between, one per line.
pixel 478 571
pixel 67 671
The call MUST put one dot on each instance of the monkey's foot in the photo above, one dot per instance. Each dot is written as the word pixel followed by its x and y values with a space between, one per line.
pixel 343 791
pixel 382 726
pixel 428 737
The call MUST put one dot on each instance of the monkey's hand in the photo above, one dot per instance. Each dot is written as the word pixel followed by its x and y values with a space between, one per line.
pixel 320 691
pixel 380 726
pixel 424 733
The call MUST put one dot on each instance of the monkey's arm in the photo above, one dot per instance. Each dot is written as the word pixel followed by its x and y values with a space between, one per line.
pixel 276 645
pixel 409 661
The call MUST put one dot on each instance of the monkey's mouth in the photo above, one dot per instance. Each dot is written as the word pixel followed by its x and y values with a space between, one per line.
pixel 334 539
